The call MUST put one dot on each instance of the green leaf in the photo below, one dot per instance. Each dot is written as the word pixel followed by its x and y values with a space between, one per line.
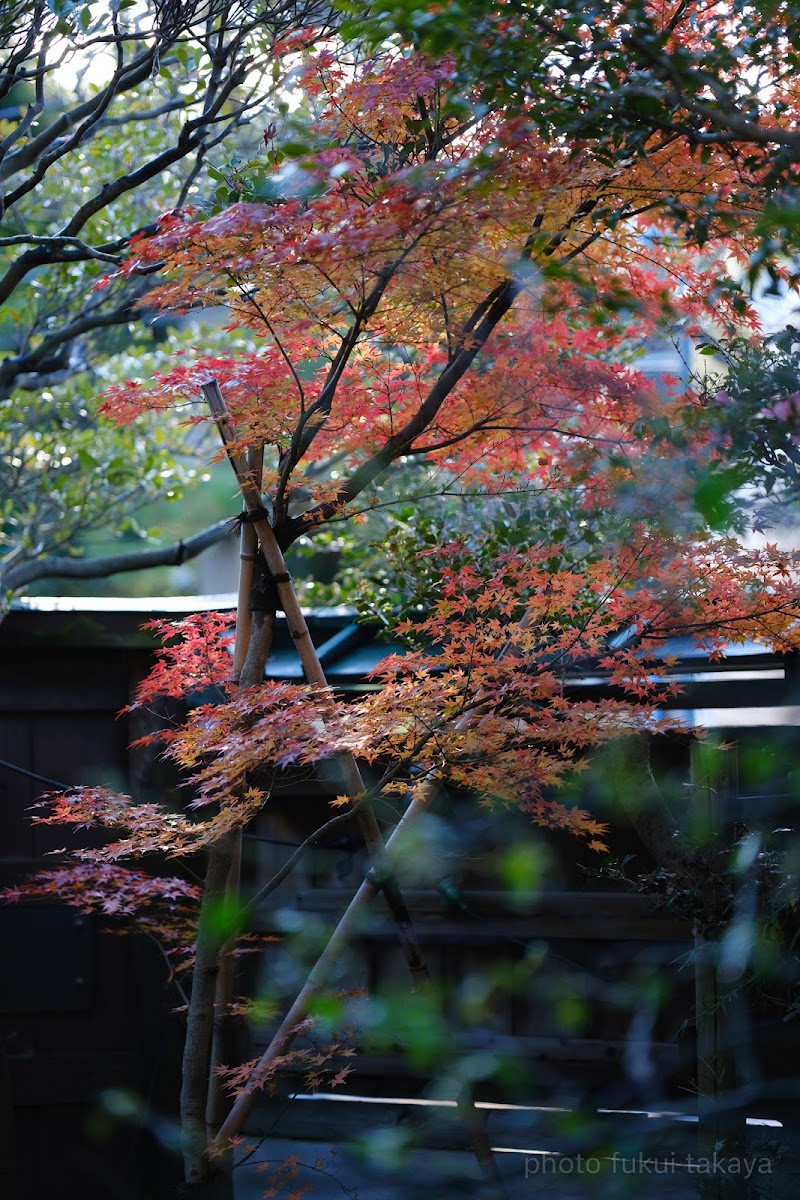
pixel 714 493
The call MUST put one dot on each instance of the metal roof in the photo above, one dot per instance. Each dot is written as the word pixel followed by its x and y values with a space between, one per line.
pixel 750 686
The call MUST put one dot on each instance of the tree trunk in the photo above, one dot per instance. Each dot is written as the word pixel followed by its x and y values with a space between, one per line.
pixel 200 1017
pixel 254 630
pixel 260 631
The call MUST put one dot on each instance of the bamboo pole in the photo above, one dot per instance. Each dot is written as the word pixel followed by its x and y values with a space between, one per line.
pixel 316 981
pixel 248 549
pixel 353 782
pixel 381 876
pixel 250 652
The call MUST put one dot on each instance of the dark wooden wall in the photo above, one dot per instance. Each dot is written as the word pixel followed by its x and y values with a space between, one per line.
pixel 85 1019
pixel 91 1044
pixel 563 1018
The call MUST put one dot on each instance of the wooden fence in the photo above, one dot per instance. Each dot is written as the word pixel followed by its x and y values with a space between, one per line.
pixel 85 1016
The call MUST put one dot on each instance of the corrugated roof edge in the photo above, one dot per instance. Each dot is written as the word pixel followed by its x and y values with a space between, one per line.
pixel 150 604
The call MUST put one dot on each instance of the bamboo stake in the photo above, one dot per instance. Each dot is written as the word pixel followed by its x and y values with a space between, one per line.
pixel 353 783
pixel 248 548
pixel 381 877
pixel 250 653
pixel 316 981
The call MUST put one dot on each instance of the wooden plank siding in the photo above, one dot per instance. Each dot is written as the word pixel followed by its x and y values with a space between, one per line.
pixel 81 1013
pixel 63 678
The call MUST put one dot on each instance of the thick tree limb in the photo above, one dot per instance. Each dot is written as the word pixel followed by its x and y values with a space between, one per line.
pixel 191 138
pixel 112 564
pixel 34 150
pixel 24 370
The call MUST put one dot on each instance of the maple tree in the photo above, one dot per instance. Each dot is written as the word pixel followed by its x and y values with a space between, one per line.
pixel 438 298
pixel 708 74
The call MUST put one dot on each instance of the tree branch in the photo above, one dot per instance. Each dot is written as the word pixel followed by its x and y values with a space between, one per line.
pixel 33 362
pixel 479 327
pixel 87 112
pixel 112 564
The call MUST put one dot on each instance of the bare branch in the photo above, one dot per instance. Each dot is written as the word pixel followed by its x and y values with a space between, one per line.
pixel 112 564
pixel 56 135
pixel 57 245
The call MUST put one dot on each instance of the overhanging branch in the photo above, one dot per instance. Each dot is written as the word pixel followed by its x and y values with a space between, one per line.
pixel 113 564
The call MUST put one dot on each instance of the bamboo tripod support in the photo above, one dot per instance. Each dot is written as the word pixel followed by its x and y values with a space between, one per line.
pixel 354 784
pixel 381 877
pixel 216 1101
